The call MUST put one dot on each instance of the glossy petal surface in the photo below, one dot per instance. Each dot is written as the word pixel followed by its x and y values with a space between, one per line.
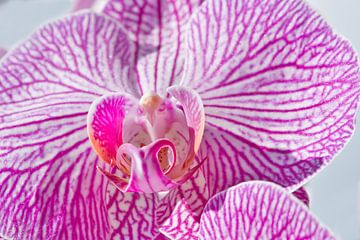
pixel 274 75
pixel 49 185
pixel 259 210
pixel 158 28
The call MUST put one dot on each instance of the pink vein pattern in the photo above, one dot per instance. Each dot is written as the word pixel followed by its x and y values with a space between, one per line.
pixel 49 186
pixel 302 195
pixel 181 224
pixel 259 210
pixel 185 203
pixel 280 90
pixel 158 29
pixel 132 215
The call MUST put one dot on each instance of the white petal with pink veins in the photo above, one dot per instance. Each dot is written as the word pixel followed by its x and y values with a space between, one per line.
pixel 259 210
pixel 49 185
pixel 275 80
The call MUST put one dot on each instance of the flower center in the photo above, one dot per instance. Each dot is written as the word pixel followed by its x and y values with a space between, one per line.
pixel 154 119
pixel 152 142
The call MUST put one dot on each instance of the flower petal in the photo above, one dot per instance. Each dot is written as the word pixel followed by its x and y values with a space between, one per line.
pixel 274 74
pixel 193 109
pixel 178 212
pixel 158 28
pixel 48 178
pixel 131 215
pixel 105 121
pixel 181 224
pixel 259 210
pixel 302 195
pixel 232 159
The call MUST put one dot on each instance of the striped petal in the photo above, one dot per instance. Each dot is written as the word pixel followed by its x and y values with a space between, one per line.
pixel 178 212
pixel 131 215
pixel 158 28
pixel 49 186
pixel 276 80
pixel 181 224
pixel 259 210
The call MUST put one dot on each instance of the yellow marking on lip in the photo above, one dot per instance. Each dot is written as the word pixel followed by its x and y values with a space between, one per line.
pixel 150 102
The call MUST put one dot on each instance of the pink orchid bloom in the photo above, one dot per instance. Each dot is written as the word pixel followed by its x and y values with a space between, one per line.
pixel 180 100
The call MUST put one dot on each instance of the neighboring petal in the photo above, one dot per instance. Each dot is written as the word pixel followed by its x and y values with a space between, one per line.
pixel 273 74
pixel 105 123
pixel 302 195
pixel 259 210
pixel 158 28
pixel 49 186
pixel 178 212
pixel 131 215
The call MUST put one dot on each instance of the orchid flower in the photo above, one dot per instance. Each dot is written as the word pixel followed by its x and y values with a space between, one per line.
pixel 124 124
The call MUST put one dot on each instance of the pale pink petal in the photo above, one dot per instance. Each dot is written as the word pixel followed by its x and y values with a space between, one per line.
pixel 2 52
pixel 276 83
pixel 131 215
pixel 49 185
pixel 193 109
pixel 259 210
pixel 158 28
pixel 302 195
pixel 178 212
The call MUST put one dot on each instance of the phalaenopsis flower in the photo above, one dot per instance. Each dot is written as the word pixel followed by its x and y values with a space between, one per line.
pixel 125 123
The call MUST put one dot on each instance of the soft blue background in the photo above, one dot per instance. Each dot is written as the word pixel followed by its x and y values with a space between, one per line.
pixel 335 192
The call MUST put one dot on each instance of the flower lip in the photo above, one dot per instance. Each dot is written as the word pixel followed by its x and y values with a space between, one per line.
pixel 152 142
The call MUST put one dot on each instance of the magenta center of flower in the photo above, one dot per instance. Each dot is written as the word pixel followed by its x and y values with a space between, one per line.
pixel 158 119
pixel 151 142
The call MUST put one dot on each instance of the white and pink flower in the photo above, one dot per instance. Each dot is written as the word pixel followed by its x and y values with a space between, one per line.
pixel 150 119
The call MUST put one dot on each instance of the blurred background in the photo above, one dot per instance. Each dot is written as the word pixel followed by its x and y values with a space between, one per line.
pixel 335 192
